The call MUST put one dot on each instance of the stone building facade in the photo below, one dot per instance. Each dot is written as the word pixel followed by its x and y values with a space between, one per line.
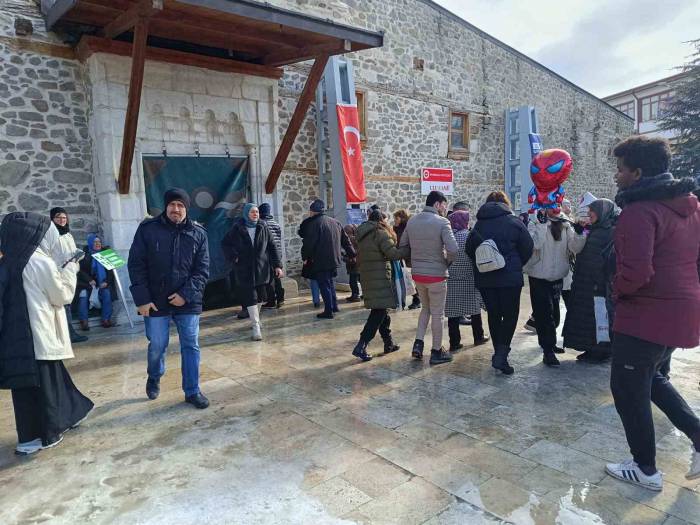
pixel 61 120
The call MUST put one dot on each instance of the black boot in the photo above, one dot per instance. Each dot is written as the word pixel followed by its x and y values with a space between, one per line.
pixel 438 357
pixel 417 352
pixel 360 351
pixel 415 304
pixel 152 388
pixel 499 360
pixel 455 337
pixel 550 359
pixel 390 346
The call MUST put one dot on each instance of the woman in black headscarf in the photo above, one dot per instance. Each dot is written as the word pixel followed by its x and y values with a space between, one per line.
pixel 589 281
pixel 66 249
pixel 34 336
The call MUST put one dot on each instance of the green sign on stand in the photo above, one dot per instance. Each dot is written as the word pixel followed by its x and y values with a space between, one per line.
pixel 110 259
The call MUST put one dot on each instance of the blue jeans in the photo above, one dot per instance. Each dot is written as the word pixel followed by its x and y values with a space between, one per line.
pixel 315 291
pixel 84 304
pixel 158 334
pixel 326 285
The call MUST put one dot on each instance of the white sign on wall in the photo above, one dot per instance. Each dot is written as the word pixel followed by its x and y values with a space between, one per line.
pixel 437 179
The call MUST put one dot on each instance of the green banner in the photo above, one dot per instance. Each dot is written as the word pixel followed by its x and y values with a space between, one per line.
pixel 218 188
pixel 110 259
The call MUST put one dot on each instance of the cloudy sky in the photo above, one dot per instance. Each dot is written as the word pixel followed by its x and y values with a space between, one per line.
pixel 604 46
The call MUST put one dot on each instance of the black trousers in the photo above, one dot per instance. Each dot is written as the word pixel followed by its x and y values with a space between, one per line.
pixel 354 284
pixel 275 291
pixel 503 307
pixel 545 296
pixel 636 380
pixel 456 336
pixel 45 412
pixel 378 320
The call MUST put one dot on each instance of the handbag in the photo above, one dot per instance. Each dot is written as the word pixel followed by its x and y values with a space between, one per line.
pixel 95 298
pixel 602 327
pixel 408 281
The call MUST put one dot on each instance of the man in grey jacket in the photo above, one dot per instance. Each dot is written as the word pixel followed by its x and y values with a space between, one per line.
pixel 433 248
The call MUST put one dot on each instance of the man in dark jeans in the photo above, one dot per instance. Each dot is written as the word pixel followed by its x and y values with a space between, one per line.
pixel 323 237
pixel 169 268
pixel 275 290
pixel 657 294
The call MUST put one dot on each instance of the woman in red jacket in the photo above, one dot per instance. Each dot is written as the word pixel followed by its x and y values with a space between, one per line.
pixel 657 296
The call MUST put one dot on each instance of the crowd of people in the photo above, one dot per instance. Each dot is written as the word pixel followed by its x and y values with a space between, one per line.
pixel 629 272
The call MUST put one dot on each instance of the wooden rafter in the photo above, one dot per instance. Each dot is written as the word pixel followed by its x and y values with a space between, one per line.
pixel 307 95
pixel 138 61
pixel 128 19
pixel 305 53
pixel 91 44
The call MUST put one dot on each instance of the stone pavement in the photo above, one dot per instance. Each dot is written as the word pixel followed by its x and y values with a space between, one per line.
pixel 299 432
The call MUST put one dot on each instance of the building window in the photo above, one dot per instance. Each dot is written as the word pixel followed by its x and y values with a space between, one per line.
pixel 361 97
pixel 653 106
pixel 459 134
pixel 627 108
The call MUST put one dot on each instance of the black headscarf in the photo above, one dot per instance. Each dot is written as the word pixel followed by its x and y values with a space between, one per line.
pixel 62 230
pixel 20 235
pixel 606 211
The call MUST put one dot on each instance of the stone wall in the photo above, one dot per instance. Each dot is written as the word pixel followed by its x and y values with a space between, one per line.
pixel 52 106
pixel 45 148
pixel 408 109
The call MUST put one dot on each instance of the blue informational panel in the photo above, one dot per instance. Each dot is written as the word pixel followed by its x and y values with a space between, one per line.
pixel 535 144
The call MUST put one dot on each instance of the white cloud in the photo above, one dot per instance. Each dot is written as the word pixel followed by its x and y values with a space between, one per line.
pixel 600 45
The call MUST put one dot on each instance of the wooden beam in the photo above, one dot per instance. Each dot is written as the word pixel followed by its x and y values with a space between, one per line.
pixel 128 19
pixel 306 53
pixel 307 95
pixel 90 45
pixel 138 61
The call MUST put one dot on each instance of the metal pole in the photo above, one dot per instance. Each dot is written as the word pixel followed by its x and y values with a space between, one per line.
pixel 121 294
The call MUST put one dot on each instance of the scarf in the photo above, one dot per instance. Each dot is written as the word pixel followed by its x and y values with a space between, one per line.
pixel 62 230
pixel 657 188
pixel 459 220
pixel 246 215
pixel 606 211
pixel 97 269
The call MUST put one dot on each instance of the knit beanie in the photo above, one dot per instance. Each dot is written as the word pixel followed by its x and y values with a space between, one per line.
pixel 177 194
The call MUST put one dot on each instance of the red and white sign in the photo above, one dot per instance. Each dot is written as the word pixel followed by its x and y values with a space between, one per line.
pixel 436 179
pixel 351 153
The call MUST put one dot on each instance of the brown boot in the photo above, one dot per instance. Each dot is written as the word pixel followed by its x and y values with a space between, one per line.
pixel 84 326
pixel 108 323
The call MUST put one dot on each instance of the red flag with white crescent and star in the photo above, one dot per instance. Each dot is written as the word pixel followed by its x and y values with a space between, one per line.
pixel 351 153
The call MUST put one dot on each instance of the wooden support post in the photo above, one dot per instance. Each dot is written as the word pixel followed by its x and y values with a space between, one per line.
pixel 138 61
pixel 307 95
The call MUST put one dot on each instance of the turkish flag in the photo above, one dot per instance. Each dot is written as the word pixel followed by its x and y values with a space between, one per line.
pixel 351 153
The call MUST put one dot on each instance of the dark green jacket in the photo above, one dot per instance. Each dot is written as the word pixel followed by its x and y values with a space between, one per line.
pixel 376 249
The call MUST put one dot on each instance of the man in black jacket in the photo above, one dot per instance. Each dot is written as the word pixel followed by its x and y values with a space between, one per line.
pixel 323 238
pixel 275 290
pixel 169 268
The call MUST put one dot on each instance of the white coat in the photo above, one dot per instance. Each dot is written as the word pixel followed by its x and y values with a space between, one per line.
pixel 550 258
pixel 65 249
pixel 48 289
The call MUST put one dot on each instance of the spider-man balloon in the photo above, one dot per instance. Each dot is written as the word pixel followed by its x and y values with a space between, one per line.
pixel 549 169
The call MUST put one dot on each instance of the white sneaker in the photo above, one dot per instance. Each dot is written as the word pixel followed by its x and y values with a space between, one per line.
pixel 28 447
pixel 257 335
pixel 694 472
pixel 630 472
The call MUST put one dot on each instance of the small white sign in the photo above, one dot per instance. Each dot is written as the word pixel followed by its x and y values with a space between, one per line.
pixel 437 179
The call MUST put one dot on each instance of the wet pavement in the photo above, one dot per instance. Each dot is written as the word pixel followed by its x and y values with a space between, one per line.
pixel 299 432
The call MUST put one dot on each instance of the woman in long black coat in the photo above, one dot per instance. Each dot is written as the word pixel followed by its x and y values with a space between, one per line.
pixel 250 247
pixel 590 280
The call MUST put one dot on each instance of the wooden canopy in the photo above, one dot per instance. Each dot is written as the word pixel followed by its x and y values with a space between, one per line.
pixel 228 35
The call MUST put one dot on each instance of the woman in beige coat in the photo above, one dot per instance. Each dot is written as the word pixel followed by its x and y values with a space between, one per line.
pixel 46 402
